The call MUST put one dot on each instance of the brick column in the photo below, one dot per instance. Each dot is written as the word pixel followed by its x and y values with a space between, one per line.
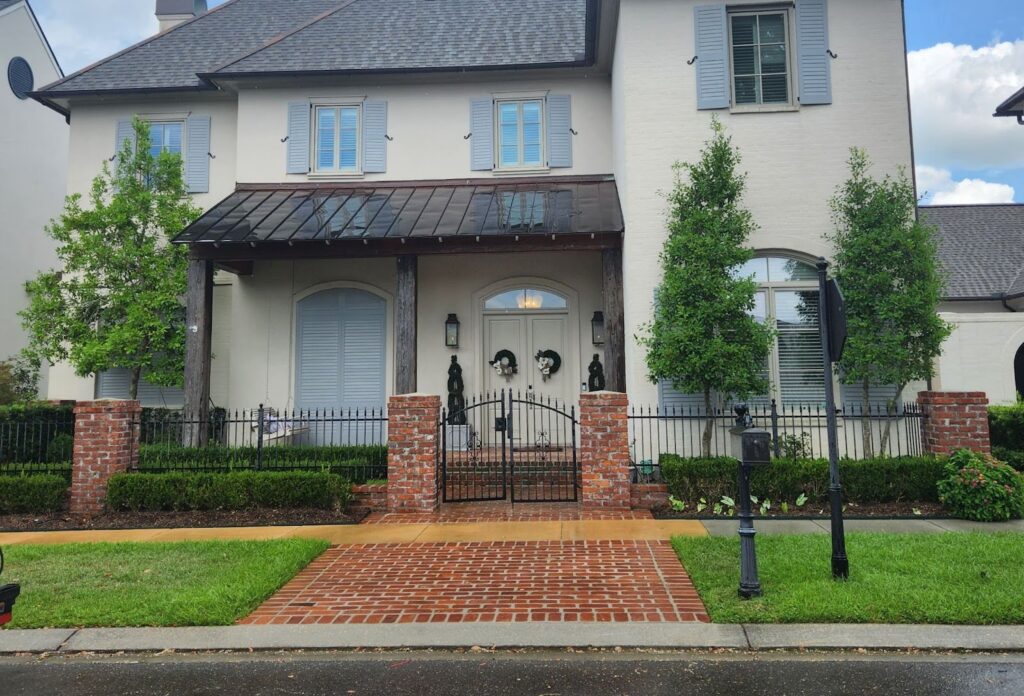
pixel 106 443
pixel 954 421
pixel 604 450
pixel 412 452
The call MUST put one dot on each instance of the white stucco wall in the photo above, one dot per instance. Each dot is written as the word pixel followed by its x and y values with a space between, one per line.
pixel 428 122
pixel 794 159
pixel 33 149
pixel 262 337
pixel 978 355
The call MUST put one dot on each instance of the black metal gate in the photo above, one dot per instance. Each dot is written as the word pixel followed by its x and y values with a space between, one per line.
pixel 509 446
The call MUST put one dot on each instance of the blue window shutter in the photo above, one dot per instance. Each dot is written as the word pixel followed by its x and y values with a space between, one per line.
pixel 375 130
pixel 197 155
pixel 815 70
pixel 559 125
pixel 298 137
pixel 481 125
pixel 712 49
pixel 124 132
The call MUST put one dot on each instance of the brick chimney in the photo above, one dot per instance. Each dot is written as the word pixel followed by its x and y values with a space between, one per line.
pixel 171 13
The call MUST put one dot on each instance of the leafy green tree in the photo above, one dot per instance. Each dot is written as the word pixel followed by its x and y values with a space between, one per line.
pixel 886 262
pixel 19 380
pixel 704 339
pixel 116 301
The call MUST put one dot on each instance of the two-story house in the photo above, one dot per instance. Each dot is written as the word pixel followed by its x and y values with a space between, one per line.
pixel 393 183
pixel 33 177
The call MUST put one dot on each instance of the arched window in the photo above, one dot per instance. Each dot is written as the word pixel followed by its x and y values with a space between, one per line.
pixel 787 297
pixel 525 300
pixel 1018 371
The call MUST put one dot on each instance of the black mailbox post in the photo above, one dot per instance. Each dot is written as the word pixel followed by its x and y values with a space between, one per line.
pixel 8 593
pixel 754 449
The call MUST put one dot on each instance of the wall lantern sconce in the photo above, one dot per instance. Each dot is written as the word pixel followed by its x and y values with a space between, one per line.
pixel 451 331
pixel 597 328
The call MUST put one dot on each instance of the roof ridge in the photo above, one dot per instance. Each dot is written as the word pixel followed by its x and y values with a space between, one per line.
pixel 281 37
pixel 140 44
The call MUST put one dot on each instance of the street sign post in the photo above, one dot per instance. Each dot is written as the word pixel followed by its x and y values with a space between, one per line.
pixel 832 320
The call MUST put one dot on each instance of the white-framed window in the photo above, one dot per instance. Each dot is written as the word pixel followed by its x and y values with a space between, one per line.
pixel 760 51
pixel 520 130
pixel 337 145
pixel 787 298
pixel 166 136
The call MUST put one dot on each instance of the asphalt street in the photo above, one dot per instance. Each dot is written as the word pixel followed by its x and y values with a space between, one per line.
pixel 552 673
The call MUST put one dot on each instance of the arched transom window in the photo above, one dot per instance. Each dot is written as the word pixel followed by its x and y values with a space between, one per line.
pixel 525 300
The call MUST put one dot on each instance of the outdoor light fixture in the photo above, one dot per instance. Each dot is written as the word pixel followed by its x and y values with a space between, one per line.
pixel 451 331
pixel 597 328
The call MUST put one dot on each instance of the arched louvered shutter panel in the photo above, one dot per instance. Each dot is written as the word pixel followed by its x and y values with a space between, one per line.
pixel 375 142
pixel 815 68
pixel 481 142
pixel 711 41
pixel 340 358
pixel 197 154
pixel 559 130
pixel 298 137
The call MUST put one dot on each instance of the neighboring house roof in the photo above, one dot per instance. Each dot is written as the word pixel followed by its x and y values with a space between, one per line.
pixel 1014 106
pixel 308 213
pixel 981 248
pixel 270 37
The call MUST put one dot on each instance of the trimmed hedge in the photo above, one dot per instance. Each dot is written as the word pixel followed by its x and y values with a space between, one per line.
pixel 240 490
pixel 879 480
pixel 1014 458
pixel 34 494
pixel 1006 425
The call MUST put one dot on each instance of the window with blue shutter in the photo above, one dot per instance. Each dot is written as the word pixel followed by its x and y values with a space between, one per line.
pixel 197 159
pixel 298 137
pixel 481 141
pixel 815 69
pixel 559 130
pixel 712 49
pixel 124 132
pixel 375 132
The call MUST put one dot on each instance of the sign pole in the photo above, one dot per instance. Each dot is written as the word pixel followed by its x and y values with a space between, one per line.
pixel 830 352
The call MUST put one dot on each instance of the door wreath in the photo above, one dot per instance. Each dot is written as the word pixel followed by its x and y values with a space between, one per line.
pixel 504 363
pixel 548 362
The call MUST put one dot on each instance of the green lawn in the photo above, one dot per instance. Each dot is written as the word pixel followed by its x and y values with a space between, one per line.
pixel 894 578
pixel 206 583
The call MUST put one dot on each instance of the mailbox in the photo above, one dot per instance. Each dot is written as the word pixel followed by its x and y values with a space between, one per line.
pixel 756 447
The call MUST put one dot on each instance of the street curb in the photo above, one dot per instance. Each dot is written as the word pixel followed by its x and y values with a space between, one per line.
pixel 518 635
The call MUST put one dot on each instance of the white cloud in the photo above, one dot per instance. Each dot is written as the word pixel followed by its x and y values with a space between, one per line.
pixel 954 90
pixel 938 187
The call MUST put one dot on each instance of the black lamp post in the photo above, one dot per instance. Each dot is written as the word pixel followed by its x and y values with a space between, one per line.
pixel 451 331
pixel 597 328
pixel 751 446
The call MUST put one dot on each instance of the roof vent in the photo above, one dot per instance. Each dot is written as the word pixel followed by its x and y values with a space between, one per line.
pixel 171 13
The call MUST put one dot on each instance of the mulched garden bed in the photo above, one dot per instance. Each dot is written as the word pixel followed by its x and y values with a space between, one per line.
pixel 157 520
pixel 859 511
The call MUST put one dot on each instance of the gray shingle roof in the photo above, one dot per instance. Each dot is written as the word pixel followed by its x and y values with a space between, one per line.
pixel 259 36
pixel 981 248
pixel 429 34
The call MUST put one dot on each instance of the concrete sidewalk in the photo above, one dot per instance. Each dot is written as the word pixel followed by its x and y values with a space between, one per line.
pixel 518 635
pixel 728 527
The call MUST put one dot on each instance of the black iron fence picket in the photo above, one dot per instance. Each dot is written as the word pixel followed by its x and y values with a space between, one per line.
pixel 40 442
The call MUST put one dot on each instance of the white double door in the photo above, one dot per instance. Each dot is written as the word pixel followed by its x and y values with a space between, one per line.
pixel 525 335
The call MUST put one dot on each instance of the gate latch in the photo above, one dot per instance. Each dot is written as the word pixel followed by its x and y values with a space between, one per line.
pixel 499 425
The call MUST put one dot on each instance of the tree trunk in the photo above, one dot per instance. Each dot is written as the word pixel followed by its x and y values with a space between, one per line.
pixel 865 421
pixel 133 383
pixel 709 425
pixel 890 412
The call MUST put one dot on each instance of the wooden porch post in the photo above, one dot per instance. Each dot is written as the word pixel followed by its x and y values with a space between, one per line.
pixel 614 320
pixel 198 330
pixel 405 325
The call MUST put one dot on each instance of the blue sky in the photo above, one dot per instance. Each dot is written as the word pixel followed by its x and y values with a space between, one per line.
pixel 965 58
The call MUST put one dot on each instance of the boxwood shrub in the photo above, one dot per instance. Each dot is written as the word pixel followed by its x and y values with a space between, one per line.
pixel 33 494
pixel 1014 458
pixel 238 490
pixel 977 487
pixel 879 480
pixel 1006 425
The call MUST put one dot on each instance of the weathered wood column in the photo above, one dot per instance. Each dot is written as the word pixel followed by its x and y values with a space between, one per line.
pixel 405 325
pixel 614 321
pixel 198 336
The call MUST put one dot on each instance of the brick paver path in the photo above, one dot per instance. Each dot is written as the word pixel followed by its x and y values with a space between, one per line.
pixel 505 512
pixel 488 581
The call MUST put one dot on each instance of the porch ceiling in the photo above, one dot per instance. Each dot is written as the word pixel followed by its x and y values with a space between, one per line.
pixel 265 221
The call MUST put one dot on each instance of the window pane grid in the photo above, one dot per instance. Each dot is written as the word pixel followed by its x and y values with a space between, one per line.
pixel 759 57
pixel 337 139
pixel 520 133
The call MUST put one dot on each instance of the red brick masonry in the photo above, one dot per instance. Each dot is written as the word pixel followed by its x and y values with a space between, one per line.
pixel 504 512
pixel 371 496
pixel 644 496
pixel 488 581
pixel 954 421
pixel 106 443
pixel 412 452
pixel 604 450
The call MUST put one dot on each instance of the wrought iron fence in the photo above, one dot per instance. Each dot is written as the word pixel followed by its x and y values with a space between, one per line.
pixel 798 431
pixel 38 442
pixel 349 442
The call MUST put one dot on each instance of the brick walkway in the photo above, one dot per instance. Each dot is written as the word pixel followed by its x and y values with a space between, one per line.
pixel 488 581
pixel 505 512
